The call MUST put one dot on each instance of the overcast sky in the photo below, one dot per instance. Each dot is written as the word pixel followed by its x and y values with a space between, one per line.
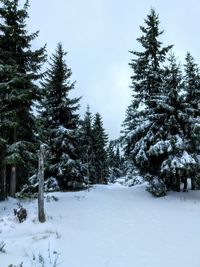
pixel 98 35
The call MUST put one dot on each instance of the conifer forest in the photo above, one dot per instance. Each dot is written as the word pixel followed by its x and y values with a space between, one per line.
pixel 129 201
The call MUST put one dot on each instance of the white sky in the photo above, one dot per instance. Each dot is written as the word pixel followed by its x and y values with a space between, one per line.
pixel 98 35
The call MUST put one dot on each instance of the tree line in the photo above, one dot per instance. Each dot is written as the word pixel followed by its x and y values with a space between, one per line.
pixel 161 131
pixel 76 148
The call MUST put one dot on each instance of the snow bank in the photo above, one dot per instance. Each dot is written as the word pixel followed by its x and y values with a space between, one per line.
pixel 109 226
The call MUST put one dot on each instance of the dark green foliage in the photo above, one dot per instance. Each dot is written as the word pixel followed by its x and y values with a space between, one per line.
pixel 192 102
pixel 115 162
pixel 100 141
pixel 191 113
pixel 18 91
pixel 147 65
pixel 86 147
pixel 180 163
pixel 157 187
pixel 147 81
pixel 59 121
pixel 155 133
pixel 142 123
pixel 93 141
pixel 6 74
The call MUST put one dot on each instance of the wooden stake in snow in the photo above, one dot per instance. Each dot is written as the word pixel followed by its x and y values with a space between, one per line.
pixel 41 214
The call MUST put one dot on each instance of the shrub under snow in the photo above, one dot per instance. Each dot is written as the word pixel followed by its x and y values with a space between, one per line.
pixel 157 187
pixel 31 188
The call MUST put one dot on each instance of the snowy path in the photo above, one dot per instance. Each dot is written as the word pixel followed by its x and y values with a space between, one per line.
pixel 110 226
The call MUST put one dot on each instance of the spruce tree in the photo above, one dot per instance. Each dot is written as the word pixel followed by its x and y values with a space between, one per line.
pixel 191 113
pixel 111 154
pixel 15 51
pixel 147 65
pixel 144 129
pixel 111 162
pixel 100 154
pixel 6 75
pixel 114 161
pixel 60 119
pixel 146 85
pixel 86 149
pixel 177 161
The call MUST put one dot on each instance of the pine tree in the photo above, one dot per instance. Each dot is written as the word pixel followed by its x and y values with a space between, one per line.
pixel 147 66
pixel 134 118
pixel 144 122
pixel 60 122
pixel 20 92
pixel 6 74
pixel 114 161
pixel 161 136
pixel 87 146
pixel 191 110
pixel 146 84
pixel 177 161
pixel 100 154
pixel 111 162
pixel 111 154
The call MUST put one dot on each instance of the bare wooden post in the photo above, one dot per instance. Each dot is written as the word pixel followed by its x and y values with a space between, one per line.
pixel 41 214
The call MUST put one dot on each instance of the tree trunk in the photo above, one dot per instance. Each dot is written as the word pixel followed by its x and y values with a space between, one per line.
pixel 102 179
pixel 177 182
pixel 13 175
pixel 192 184
pixel 185 184
pixel 41 214
pixel 3 189
pixel 13 181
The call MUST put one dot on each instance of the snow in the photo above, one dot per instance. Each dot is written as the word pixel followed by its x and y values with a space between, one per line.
pixel 160 147
pixel 179 142
pixel 187 159
pixel 109 226
pixel 178 162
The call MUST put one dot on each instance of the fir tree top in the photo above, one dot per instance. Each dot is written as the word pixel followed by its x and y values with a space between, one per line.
pixel 191 79
pixel 56 88
pixel 15 42
pixel 146 65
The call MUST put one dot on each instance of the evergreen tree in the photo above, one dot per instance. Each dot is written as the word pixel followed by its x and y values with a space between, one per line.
pixel 100 141
pixel 18 95
pixel 114 157
pixel 6 74
pixel 111 162
pixel 144 130
pixel 146 84
pixel 191 116
pixel 87 146
pixel 114 161
pixel 111 154
pixel 161 135
pixel 60 122
pixel 147 66
pixel 177 161
pixel 118 160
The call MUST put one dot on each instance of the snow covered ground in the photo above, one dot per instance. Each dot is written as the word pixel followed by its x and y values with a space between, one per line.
pixel 110 226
